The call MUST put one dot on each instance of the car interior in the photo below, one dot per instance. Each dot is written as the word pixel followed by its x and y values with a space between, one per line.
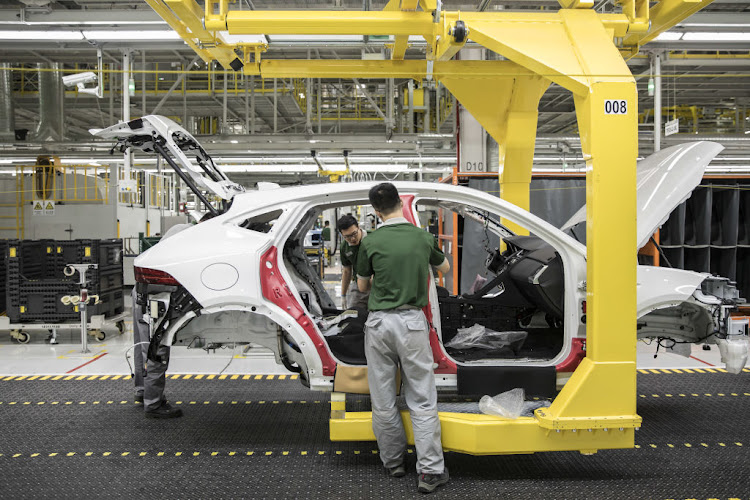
pixel 515 312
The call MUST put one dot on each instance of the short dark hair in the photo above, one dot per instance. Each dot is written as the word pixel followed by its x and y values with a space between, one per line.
pixel 384 197
pixel 328 222
pixel 346 222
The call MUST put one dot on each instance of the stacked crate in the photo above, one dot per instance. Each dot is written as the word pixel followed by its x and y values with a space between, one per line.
pixel 36 282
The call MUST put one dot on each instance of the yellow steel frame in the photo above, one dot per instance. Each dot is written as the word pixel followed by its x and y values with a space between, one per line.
pixel 574 48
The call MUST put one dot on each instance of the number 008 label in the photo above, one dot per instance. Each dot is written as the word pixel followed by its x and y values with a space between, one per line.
pixel 615 107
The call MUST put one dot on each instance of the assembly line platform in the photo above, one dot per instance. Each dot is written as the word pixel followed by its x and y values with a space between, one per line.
pixel 266 436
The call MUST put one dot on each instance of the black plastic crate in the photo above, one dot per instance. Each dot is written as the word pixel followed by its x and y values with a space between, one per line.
pixel 37 305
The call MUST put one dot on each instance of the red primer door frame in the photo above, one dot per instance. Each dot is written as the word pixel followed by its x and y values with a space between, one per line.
pixel 277 291
pixel 444 364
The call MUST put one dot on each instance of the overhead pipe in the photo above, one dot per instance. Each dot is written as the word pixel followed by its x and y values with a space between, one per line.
pixel 51 98
pixel 7 118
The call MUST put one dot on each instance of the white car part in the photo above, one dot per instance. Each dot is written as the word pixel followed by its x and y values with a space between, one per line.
pixel 664 180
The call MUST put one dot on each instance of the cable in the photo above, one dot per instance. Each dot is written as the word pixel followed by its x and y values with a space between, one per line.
pixel 127 359
pixel 227 365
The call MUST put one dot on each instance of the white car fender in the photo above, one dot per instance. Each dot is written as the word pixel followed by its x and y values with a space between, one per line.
pixel 660 287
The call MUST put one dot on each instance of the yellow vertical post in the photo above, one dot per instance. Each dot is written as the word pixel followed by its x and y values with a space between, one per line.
pixel 605 382
pixel 517 142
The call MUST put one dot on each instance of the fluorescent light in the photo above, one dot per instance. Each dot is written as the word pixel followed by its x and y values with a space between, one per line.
pixel 45 36
pixel 114 35
pixel 668 36
pixel 716 37
pixel 317 38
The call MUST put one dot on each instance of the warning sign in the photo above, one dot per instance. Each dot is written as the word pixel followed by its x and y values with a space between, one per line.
pixel 44 207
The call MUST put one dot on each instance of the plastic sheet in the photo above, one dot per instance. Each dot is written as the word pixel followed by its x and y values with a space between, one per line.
pixel 507 405
pixel 478 336
pixel 733 351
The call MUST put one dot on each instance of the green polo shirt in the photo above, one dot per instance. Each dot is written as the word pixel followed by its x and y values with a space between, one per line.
pixel 326 234
pixel 399 255
pixel 349 255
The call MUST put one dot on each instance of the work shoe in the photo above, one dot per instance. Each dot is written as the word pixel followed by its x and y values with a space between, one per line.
pixel 430 482
pixel 165 410
pixel 397 471
pixel 139 399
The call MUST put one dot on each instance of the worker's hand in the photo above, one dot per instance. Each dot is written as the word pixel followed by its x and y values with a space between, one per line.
pixel 343 302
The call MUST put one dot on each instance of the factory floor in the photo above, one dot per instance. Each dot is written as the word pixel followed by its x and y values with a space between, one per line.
pixel 251 430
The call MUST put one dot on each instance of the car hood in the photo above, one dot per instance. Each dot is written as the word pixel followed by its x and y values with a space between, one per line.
pixel 187 155
pixel 664 180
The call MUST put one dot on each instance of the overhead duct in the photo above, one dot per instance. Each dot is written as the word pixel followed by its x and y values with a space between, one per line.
pixel 51 96
pixel 7 120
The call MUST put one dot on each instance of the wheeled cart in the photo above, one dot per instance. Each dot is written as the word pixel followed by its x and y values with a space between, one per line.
pixel 98 327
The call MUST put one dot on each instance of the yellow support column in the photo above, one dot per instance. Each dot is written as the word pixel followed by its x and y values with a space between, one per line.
pixel 605 383
pixel 516 145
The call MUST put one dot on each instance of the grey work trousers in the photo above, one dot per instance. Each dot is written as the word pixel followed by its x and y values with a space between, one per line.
pixel 401 337
pixel 150 378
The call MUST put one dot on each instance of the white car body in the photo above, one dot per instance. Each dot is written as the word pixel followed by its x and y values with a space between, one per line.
pixel 237 279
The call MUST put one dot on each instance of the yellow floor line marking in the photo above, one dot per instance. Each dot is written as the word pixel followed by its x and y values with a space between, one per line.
pixel 196 453
pixel 688 445
pixel 160 454
pixel 698 370
pixel 81 377
pixel 738 444
pixel 656 372
pixel 269 453
pixel 258 377
pixel 105 377
pixel 142 454
pixel 35 455
pixel 117 377
pixel 246 377
pixel 174 376
pixel 704 445
pixel 211 377
pixel 303 453
pixel 178 454
pixel 89 453
pixel 271 377
pixel 250 453
pixel 688 370
pixel 667 371
pixel 675 370
pixel 70 454
pixel 34 377
pixel 9 378
pixel 199 376
pixel 22 377
pixel 69 377
pixel 53 454
pixel 721 370
pixel 222 377
pixel 294 377
pixel 234 377
pixel 710 370
pixel 232 453
pixel 746 370
pixel 644 372
pixel 106 453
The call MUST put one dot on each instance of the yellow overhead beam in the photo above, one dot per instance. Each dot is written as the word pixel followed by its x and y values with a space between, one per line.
pixel 664 15
pixel 191 16
pixel 315 22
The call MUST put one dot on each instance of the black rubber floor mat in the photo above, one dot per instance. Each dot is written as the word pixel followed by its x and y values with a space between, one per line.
pixel 269 439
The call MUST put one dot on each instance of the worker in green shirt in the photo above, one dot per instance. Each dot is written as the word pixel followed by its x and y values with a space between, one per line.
pixel 398 257
pixel 351 298
pixel 325 235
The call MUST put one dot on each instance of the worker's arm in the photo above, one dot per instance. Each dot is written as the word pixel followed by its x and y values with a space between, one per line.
pixel 346 278
pixel 444 267
pixel 363 284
